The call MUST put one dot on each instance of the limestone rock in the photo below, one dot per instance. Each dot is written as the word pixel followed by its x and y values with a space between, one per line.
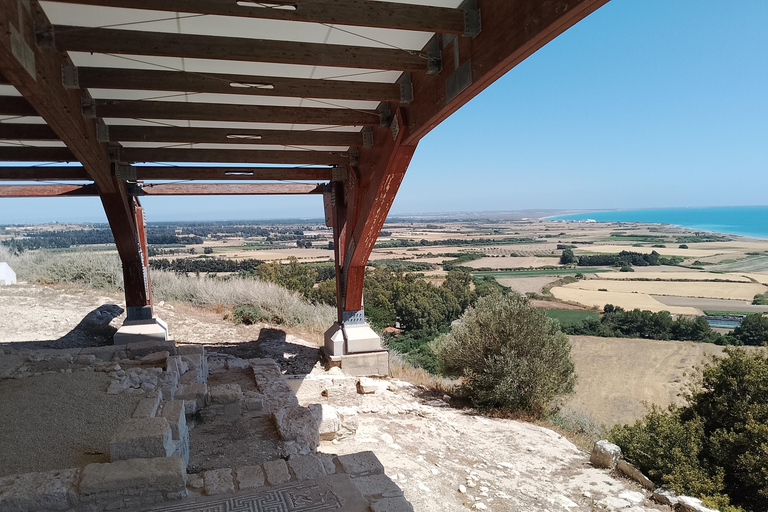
pixel 250 477
pixel 398 504
pixel 360 464
pixel 605 454
pixel 306 467
pixel 218 481
pixel 37 491
pixel 631 472
pixel 366 385
pixel 276 472
pixel 328 418
pixel 300 425
pixel 142 438
pixel 688 504
pixel 225 394
pixel 133 477
pixel 665 497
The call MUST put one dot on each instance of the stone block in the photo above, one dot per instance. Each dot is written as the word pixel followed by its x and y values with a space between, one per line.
pixel 365 365
pixel 298 424
pixel 181 448
pixel 218 481
pixel 306 467
pixel 361 464
pixel 156 358
pixel 147 407
pixel 27 492
pixel 133 477
pixel 225 393
pixel 366 385
pixel 101 353
pixel 327 461
pixel 190 407
pixel 276 472
pixel 174 412
pixel 190 377
pixel 196 392
pixel 253 401
pixel 665 497
pixel 631 472
pixel 688 504
pixel 605 454
pixel 377 486
pixel 398 504
pixel 142 438
pixel 189 350
pixel 139 349
pixel 250 477
pixel 349 422
pixel 328 419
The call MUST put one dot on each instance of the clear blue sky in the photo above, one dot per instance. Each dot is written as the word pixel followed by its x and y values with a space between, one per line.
pixel 651 103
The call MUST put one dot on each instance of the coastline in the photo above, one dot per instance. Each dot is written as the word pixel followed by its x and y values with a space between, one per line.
pixel 728 220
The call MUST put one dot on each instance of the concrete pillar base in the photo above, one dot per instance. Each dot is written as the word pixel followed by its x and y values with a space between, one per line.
pixel 152 329
pixel 360 354
pixel 369 364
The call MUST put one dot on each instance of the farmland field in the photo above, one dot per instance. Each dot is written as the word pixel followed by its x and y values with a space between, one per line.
pixel 570 316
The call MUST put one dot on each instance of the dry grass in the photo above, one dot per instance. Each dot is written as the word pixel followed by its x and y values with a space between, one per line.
pixel 96 270
pixel 399 369
pixel 598 299
pixel 673 276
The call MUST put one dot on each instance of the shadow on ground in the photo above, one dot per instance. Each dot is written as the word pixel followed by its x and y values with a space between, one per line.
pixel 96 329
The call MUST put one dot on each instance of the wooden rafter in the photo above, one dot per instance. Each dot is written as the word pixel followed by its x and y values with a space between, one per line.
pixel 133 42
pixel 133 109
pixel 235 156
pixel 344 12
pixel 249 85
pixel 174 173
pixel 167 189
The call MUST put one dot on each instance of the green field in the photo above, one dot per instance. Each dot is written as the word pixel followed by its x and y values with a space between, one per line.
pixel 539 272
pixel 571 316
pixel 712 312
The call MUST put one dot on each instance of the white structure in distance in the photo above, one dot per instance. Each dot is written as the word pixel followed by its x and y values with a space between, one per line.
pixel 7 275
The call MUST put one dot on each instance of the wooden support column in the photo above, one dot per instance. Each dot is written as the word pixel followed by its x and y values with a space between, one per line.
pixel 380 171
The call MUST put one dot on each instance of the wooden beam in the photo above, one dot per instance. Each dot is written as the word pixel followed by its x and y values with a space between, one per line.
pixel 134 42
pixel 238 156
pixel 167 189
pixel 343 12
pixel 175 173
pixel 42 173
pixel 378 179
pixel 16 106
pixel 19 131
pixel 226 189
pixel 134 109
pixel 48 190
pixel 217 83
pixel 233 173
pixel 231 136
pixel 36 154
pixel 511 32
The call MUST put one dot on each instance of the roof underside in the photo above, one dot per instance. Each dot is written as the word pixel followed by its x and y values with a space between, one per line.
pixel 209 90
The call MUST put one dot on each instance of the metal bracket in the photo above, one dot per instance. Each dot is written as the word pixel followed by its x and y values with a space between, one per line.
pixel 125 172
pixel 114 152
pixel 458 81
pixel 354 157
pixel 69 77
pixel 338 174
pixel 406 88
pixel 353 317
pixel 395 127
pixel 385 116
pixel 472 23
pixel 367 137
pixel 102 133
pixel 134 189
pixel 88 107
pixel 434 56
pixel 44 37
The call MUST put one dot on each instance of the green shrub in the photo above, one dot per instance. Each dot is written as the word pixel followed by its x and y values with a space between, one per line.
pixel 682 246
pixel 247 315
pixel 626 268
pixel 761 299
pixel 510 355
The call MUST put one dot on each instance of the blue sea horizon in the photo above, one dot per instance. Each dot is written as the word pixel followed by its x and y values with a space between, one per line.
pixel 749 221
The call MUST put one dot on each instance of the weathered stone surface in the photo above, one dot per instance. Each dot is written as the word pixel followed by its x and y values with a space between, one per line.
pixel 635 474
pixel 147 407
pixel 688 504
pixel 132 477
pixel 155 357
pixel 29 492
pixel 327 461
pixel 328 419
pixel 173 411
pixel 196 392
pixel 225 393
pixel 349 422
pixel 665 497
pixel 276 472
pixel 366 385
pixel 253 401
pixel 190 406
pixel 306 467
pixel 377 486
pixel 398 504
pixel 218 481
pixel 360 464
pixel 190 377
pixel 298 424
pixel 140 349
pixel 142 438
pixel 250 477
pixel 605 454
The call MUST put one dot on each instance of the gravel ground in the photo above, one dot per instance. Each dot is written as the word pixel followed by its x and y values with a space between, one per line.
pixel 58 421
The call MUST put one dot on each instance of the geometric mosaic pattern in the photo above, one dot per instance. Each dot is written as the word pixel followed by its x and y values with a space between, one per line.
pixel 308 496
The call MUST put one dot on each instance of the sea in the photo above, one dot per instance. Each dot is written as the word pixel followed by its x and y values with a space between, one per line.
pixel 749 221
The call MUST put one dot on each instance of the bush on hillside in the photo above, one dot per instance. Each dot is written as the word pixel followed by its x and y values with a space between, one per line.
pixel 510 355
pixel 715 445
